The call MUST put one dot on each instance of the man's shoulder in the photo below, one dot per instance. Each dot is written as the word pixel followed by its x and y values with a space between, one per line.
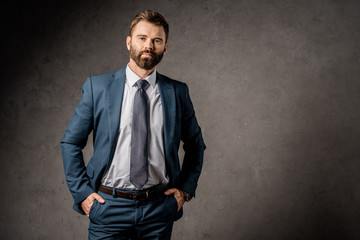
pixel 104 77
pixel 172 81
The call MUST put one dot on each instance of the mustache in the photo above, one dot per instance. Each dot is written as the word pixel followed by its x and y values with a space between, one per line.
pixel 152 53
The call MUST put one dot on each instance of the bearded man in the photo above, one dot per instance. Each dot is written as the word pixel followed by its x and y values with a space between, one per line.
pixel 133 186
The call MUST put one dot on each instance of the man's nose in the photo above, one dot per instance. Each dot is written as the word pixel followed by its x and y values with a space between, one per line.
pixel 149 44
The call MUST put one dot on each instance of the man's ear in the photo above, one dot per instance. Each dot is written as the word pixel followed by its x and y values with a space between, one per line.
pixel 128 42
pixel 165 48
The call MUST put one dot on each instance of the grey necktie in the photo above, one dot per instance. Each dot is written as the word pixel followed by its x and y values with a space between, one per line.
pixel 139 137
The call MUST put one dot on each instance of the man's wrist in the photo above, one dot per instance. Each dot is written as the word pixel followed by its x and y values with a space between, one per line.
pixel 187 196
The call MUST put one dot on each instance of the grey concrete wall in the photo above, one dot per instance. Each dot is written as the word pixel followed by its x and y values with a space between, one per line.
pixel 275 85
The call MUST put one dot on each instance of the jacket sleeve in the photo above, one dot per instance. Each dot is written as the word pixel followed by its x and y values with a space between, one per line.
pixel 72 144
pixel 194 147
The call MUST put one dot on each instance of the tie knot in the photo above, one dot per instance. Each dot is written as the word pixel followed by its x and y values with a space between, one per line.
pixel 142 84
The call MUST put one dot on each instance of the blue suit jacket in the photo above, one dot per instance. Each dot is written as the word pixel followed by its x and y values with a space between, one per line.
pixel 99 111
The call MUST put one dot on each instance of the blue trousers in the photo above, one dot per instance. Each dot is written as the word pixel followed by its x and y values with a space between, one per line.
pixel 121 218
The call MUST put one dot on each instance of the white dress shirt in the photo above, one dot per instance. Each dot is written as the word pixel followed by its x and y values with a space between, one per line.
pixel 118 175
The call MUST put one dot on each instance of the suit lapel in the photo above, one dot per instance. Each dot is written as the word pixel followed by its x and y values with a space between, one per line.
pixel 114 101
pixel 167 94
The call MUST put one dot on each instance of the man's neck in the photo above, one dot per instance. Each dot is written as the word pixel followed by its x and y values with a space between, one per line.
pixel 143 73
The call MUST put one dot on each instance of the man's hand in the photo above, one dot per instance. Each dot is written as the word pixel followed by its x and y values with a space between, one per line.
pixel 88 202
pixel 178 194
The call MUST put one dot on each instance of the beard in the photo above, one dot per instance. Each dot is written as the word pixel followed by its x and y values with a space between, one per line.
pixel 145 63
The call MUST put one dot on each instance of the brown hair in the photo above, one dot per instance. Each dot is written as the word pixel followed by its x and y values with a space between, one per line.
pixel 152 17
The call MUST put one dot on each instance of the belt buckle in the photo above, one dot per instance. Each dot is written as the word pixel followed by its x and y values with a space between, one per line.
pixel 147 194
pixel 133 196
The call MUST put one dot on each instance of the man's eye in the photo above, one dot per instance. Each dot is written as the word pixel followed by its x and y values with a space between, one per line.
pixel 158 41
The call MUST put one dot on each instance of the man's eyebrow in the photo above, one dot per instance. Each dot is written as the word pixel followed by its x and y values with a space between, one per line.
pixel 144 35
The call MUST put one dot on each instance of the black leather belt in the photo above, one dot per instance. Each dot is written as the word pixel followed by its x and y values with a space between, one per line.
pixel 138 195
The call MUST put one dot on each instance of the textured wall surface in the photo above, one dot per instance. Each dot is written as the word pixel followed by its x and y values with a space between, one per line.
pixel 276 89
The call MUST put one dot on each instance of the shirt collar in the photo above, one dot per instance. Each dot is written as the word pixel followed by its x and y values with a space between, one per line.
pixel 132 77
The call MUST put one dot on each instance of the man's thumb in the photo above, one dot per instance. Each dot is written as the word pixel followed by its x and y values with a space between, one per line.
pixel 99 198
pixel 170 191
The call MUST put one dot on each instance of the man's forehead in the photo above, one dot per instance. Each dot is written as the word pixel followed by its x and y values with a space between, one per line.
pixel 146 28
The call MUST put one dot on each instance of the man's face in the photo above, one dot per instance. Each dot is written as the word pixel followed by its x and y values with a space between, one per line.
pixel 147 45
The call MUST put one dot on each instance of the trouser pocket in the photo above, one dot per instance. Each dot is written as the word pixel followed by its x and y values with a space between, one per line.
pixel 93 209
